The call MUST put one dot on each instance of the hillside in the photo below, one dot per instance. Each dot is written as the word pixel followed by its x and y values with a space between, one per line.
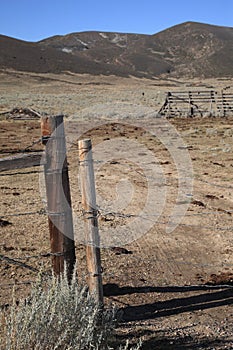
pixel 187 49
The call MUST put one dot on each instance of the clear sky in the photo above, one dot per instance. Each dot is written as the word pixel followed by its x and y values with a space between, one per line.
pixel 34 20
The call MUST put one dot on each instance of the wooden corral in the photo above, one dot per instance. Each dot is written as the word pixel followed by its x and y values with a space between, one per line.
pixel 198 103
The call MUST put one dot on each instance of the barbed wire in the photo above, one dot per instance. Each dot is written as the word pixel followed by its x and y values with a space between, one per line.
pixel 15 261
pixel 2 174
pixel 149 217
pixel 195 176
pixel 36 142
pixel 16 283
pixel 219 211
pixel 103 213
pixel 26 149
pixel 40 212
pixel 42 255
pixel 18 261
pixel 12 261
pixel 213 184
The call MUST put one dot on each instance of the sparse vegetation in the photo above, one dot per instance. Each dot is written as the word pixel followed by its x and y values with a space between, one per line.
pixel 58 316
pixel 143 284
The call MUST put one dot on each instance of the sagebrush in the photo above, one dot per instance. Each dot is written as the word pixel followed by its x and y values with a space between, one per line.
pixel 58 316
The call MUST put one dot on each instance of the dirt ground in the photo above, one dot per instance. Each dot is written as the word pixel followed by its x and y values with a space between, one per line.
pixel 174 288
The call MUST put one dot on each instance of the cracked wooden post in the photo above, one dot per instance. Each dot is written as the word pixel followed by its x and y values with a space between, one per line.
pixel 58 195
pixel 91 222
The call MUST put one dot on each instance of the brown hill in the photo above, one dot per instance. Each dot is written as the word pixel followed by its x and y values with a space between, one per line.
pixel 114 49
pixel 187 49
pixel 198 49
pixel 33 57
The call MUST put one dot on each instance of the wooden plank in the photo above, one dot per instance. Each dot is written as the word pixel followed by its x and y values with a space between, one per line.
pixel 58 195
pixel 20 161
pixel 91 221
pixel 204 92
pixel 194 100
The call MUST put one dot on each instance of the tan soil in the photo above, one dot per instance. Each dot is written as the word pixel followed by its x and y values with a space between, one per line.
pixel 162 285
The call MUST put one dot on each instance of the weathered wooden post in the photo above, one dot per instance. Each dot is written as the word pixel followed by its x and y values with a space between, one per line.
pixel 223 103
pixel 190 104
pixel 90 216
pixel 58 195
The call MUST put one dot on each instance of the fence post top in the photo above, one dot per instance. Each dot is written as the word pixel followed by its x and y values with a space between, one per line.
pixel 86 143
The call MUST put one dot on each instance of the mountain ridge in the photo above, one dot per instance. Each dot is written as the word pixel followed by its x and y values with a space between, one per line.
pixel 188 49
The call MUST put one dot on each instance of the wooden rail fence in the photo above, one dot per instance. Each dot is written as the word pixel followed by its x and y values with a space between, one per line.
pixel 198 103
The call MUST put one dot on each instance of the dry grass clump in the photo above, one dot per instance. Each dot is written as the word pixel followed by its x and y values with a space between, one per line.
pixel 57 316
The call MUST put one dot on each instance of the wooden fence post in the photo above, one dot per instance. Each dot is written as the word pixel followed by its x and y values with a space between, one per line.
pixel 91 221
pixel 58 195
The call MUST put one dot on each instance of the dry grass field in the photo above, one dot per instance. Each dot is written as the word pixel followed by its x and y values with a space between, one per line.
pixel 173 288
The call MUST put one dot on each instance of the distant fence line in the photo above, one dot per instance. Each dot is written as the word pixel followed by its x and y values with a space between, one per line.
pixel 198 103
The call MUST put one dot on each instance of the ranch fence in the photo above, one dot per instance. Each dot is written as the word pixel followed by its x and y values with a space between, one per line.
pixel 198 103
pixel 59 207
pixel 62 245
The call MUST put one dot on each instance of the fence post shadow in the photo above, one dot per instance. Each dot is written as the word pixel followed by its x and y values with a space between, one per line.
pixel 211 296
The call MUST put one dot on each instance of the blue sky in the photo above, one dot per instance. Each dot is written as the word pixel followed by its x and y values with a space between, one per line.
pixel 34 20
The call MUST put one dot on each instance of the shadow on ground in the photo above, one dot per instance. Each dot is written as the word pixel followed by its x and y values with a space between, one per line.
pixel 209 297
pixel 157 340
pixel 173 306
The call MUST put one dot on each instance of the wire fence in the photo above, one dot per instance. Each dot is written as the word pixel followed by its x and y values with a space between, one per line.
pixel 22 261
pixel 115 215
